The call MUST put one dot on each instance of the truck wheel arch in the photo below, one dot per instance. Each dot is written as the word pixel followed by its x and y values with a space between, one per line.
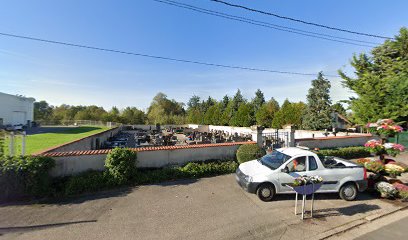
pixel 263 185
pixel 354 188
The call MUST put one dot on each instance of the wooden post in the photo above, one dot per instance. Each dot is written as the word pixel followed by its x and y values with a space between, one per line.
pixel 23 143
pixel 11 145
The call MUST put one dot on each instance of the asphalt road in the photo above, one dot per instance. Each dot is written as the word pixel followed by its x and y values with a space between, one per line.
pixel 209 208
pixel 395 231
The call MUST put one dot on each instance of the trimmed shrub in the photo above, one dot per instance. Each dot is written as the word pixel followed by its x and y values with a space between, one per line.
pixel 346 152
pixel 190 170
pixel 209 169
pixel 91 181
pixel 249 152
pixel 120 163
pixel 27 172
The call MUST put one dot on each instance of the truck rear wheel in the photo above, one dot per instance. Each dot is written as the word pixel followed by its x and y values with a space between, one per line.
pixel 266 192
pixel 348 192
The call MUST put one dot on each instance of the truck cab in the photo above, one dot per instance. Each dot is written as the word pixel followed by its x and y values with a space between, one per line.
pixel 272 173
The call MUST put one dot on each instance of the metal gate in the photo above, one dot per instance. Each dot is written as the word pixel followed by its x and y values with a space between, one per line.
pixel 275 140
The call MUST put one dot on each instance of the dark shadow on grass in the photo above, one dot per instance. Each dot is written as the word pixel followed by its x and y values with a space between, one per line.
pixel 4 230
pixel 60 130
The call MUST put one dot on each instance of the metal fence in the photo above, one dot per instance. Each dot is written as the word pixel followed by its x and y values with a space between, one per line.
pixel 78 123
pixel 400 138
pixel 275 140
pixel 12 143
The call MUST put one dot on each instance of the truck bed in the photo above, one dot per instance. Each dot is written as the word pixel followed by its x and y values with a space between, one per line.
pixel 336 162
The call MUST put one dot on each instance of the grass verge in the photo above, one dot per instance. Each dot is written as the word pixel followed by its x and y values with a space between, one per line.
pixel 43 141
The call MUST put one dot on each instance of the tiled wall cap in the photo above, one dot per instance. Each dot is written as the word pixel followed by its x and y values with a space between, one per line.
pixel 105 151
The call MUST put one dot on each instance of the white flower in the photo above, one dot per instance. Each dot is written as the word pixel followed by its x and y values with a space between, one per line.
pixel 388 145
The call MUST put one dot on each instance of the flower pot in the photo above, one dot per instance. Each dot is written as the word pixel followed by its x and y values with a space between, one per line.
pixel 307 189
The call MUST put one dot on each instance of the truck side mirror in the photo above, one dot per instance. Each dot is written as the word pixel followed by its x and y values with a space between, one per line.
pixel 285 170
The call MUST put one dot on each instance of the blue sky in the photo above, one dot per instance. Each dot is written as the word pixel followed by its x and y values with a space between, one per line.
pixel 60 74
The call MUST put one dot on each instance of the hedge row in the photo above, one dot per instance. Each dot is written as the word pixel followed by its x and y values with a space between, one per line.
pixel 346 152
pixel 25 175
pixel 95 181
pixel 29 176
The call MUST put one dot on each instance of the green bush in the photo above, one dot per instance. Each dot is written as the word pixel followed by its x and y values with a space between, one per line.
pixel 190 170
pixel 91 181
pixel 249 152
pixel 30 172
pixel 121 164
pixel 209 169
pixel 346 152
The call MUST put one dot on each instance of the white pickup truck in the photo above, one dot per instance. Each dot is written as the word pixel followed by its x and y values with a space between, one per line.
pixel 270 174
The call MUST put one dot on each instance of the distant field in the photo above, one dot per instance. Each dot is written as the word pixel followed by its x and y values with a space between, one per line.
pixel 42 141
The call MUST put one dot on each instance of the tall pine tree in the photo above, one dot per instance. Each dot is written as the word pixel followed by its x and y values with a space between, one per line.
pixel 318 111
pixel 258 100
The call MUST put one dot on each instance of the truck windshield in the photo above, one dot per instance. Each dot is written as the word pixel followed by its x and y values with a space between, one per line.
pixel 274 159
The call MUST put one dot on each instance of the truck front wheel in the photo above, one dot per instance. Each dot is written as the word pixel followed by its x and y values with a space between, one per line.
pixel 266 192
pixel 348 192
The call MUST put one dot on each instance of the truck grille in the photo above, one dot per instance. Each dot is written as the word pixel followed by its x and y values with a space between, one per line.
pixel 240 174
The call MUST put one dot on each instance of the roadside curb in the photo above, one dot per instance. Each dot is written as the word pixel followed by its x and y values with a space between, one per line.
pixel 348 226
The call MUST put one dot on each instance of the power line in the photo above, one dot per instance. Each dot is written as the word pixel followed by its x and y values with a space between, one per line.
pixel 159 57
pixel 300 21
pixel 268 25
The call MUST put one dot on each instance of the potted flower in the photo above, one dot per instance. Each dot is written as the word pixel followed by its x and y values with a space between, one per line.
pixel 384 128
pixel 387 190
pixel 374 166
pixel 375 147
pixel 393 170
pixel 393 149
pixel 307 185
pixel 362 161
pixel 402 190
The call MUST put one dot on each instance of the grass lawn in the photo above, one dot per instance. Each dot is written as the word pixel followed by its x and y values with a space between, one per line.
pixel 42 141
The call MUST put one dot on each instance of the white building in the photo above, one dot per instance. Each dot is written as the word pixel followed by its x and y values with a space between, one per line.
pixel 16 109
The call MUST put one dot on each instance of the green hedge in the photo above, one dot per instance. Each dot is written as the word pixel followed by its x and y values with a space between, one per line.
pixel 346 152
pixel 95 181
pixel 249 152
pixel 25 175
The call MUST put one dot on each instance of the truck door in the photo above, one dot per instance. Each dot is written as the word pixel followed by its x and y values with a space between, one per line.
pixel 329 179
pixel 296 168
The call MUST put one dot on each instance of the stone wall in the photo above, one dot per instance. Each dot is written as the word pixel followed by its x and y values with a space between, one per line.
pixel 69 163
pixel 334 142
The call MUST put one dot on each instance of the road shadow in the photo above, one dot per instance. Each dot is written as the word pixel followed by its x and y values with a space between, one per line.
pixel 364 196
pixel 78 199
pixel 176 182
pixel 5 230
pixel 345 211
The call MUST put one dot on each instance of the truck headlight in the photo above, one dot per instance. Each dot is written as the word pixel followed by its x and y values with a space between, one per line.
pixel 248 178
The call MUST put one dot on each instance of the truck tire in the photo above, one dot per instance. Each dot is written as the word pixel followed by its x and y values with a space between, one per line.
pixel 266 192
pixel 348 192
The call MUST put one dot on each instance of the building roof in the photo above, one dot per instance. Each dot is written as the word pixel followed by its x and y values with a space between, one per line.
pixel 19 96
pixel 343 118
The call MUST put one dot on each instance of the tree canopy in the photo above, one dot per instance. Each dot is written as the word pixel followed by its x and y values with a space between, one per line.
pixel 380 82
pixel 318 110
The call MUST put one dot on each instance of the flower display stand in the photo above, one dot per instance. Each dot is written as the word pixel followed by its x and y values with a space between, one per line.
pixel 308 189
